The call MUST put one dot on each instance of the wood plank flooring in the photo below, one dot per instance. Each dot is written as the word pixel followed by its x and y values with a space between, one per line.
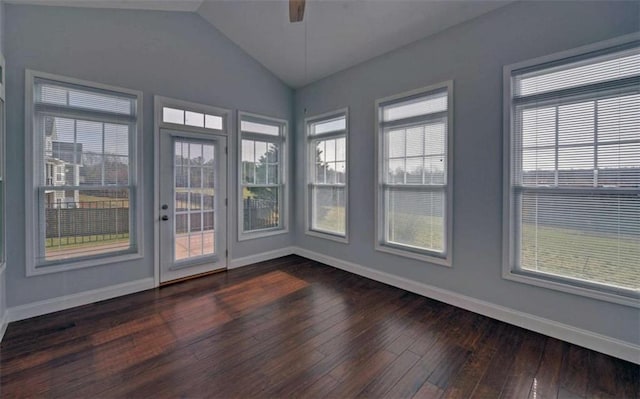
pixel 292 327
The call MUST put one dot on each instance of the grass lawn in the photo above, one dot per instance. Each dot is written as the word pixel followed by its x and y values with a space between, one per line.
pixel 571 253
pixel 104 202
pixel 85 241
pixel 592 256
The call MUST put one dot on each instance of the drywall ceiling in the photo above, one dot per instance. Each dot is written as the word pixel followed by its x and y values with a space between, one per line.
pixel 163 5
pixel 335 34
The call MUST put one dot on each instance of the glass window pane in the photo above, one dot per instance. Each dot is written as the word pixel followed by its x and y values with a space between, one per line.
pixel 416 218
pixel 415 141
pixel 328 210
pixel 262 128
pixel 172 115
pixel 576 123
pixel 213 122
pixel 396 143
pixel 194 119
pixel 328 126
pixel 418 106
pixel 559 238
pixel 575 74
pixel 116 139
pixel 341 149
pixel 619 118
pixel 89 99
pixel 85 222
pixel 260 207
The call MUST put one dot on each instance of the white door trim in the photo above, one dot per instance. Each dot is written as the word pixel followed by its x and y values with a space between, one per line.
pixel 227 128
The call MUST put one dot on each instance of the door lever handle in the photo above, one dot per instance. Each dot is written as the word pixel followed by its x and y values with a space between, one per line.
pixel 164 217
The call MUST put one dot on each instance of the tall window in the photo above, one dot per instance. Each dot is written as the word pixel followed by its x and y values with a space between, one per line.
pixel 327 175
pixel 262 175
pixel 574 176
pixel 414 174
pixel 84 170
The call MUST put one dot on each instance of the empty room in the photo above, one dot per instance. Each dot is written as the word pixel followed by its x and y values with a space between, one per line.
pixel 320 199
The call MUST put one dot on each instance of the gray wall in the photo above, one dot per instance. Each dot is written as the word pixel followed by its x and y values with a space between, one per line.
pixel 1 26
pixel 171 54
pixel 473 55
pixel 3 289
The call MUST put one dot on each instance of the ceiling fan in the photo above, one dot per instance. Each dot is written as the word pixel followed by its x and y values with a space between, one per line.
pixel 296 10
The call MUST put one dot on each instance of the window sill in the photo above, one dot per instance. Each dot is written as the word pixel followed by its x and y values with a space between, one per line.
pixel 81 264
pixel 414 255
pixel 327 236
pixel 541 280
pixel 261 234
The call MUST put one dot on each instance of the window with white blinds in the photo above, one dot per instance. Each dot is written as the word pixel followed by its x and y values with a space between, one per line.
pixel 414 174
pixel 84 171
pixel 262 175
pixel 327 175
pixel 574 186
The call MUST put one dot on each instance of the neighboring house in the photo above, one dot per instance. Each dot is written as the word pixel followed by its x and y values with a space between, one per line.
pixel 62 168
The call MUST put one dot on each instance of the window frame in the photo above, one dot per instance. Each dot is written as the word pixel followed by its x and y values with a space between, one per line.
pixel 283 170
pixel 510 270
pixel 309 168
pixel 380 243
pixel 33 267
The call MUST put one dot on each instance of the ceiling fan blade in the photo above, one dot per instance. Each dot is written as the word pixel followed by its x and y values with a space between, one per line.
pixel 296 10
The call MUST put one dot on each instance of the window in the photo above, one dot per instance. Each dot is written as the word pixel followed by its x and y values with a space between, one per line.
pixel 327 175
pixel 414 164
pixel 190 118
pixel 262 175
pixel 84 172
pixel 573 181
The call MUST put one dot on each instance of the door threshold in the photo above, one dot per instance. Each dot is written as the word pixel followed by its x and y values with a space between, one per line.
pixel 179 280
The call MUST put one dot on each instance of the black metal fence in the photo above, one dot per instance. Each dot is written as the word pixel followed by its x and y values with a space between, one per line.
pixel 71 223
pixel 260 214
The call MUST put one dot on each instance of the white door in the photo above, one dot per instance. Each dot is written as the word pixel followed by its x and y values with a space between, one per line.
pixel 193 215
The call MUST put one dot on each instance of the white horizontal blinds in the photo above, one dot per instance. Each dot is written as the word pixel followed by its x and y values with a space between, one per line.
pixel 415 172
pixel 54 93
pixel 261 174
pixel 328 175
pixel 86 168
pixel 576 169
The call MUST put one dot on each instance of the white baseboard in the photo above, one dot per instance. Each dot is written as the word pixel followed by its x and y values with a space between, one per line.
pixel 601 343
pixel 261 257
pixel 597 342
pixel 4 322
pixel 39 308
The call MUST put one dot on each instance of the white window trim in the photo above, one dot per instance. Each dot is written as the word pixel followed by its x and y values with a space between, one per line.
pixel 3 200
pixel 308 167
pixel 558 283
pixel 32 269
pixel 379 244
pixel 283 165
pixel 159 102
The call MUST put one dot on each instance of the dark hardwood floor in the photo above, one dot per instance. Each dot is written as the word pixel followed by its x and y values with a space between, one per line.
pixel 294 328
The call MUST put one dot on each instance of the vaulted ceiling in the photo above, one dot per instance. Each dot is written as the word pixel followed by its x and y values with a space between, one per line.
pixel 335 34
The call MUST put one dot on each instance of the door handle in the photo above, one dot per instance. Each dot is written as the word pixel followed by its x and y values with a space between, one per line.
pixel 164 217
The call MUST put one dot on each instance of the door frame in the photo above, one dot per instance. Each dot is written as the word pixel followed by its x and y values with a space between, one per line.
pixel 227 121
